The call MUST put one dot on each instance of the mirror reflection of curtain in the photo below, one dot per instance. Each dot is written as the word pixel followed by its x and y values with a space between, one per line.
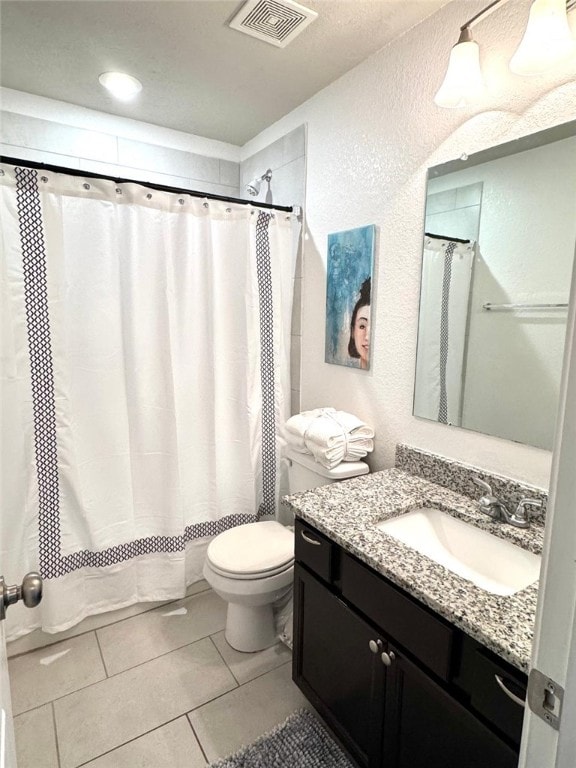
pixel 444 300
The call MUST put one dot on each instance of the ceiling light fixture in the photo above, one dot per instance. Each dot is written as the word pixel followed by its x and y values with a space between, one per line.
pixel 546 42
pixel 463 83
pixel 120 85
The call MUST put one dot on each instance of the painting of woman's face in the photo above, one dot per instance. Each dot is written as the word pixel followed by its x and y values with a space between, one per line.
pixel 362 335
pixel 349 267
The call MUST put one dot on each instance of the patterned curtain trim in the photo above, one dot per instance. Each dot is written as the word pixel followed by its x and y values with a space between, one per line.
pixel 51 562
pixel 264 273
pixel 444 330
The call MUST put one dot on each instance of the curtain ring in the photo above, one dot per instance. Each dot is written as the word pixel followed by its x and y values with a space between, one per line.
pixel 181 200
pixel 44 179
pixel 148 196
pixel 228 210
pixel 1 172
pixel 118 191
pixel 86 185
pixel 205 205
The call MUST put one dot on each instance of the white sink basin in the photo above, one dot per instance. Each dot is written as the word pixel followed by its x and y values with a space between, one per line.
pixel 494 564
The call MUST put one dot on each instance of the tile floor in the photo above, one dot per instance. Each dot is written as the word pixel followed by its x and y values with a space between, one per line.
pixel 151 686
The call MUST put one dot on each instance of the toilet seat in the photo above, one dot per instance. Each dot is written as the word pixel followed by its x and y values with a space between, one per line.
pixel 251 576
pixel 252 551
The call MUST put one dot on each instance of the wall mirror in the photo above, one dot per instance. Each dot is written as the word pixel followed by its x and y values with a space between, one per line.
pixel 499 244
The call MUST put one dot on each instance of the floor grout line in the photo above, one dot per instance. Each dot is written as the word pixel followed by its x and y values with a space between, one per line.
pixel 32 709
pixel 116 674
pixel 101 654
pixel 124 743
pixel 110 624
pixel 148 661
pixel 240 685
pixel 197 739
pixel 161 725
pixel 223 659
pixel 55 734
pixel 227 666
pixel 58 698
pixel 186 714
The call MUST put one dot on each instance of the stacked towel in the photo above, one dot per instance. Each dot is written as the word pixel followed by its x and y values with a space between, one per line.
pixel 331 436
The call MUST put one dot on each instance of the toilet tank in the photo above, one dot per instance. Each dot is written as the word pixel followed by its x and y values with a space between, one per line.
pixel 305 473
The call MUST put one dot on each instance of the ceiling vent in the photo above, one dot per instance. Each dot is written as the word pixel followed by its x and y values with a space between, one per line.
pixel 274 22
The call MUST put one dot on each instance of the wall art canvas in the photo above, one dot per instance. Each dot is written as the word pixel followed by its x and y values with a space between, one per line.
pixel 348 297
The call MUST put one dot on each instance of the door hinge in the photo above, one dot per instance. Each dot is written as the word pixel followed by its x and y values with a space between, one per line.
pixel 545 698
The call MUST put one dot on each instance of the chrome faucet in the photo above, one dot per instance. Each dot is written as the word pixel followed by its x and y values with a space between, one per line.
pixel 492 506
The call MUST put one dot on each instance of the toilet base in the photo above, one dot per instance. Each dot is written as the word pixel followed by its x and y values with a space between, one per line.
pixel 250 628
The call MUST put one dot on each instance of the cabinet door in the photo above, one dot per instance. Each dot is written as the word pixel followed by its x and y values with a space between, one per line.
pixel 336 668
pixel 426 728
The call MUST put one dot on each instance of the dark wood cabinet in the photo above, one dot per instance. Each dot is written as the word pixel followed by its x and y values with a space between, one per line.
pixel 335 667
pixel 400 686
pixel 426 727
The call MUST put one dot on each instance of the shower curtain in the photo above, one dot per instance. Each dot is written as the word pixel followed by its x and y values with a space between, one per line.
pixel 145 374
pixel 444 298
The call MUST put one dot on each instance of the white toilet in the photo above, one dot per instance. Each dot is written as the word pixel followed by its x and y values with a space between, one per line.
pixel 252 566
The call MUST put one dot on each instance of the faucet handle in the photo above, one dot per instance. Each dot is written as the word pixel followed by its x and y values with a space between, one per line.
pixel 523 504
pixel 483 484
pixel 488 503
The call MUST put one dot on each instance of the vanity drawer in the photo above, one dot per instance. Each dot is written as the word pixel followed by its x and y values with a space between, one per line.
pixel 401 617
pixel 475 674
pixel 498 693
pixel 313 550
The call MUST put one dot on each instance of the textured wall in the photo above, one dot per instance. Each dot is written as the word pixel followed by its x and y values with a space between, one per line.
pixel 371 137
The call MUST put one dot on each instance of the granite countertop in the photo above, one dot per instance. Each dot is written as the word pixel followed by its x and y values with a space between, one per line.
pixel 347 512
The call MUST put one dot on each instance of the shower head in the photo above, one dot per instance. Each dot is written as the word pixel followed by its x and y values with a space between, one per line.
pixel 253 188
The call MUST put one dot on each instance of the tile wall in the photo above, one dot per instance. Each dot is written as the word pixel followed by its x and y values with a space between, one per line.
pixel 45 141
pixel 286 157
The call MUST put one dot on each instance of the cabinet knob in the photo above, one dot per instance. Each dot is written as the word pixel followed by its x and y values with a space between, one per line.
pixel 375 645
pixel 388 658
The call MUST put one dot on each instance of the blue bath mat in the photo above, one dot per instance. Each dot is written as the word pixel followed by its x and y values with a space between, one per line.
pixel 299 742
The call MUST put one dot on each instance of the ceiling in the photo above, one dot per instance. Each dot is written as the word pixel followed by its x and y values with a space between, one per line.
pixel 199 75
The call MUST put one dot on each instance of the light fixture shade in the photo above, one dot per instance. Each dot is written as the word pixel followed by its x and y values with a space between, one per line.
pixel 120 85
pixel 547 39
pixel 463 83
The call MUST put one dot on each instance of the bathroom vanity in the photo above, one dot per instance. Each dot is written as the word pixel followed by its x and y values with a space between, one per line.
pixel 411 665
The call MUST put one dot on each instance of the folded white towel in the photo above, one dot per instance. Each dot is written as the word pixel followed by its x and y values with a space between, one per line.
pixel 331 436
pixel 297 425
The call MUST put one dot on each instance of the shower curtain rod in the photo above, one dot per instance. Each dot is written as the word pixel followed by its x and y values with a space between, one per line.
pixel 147 184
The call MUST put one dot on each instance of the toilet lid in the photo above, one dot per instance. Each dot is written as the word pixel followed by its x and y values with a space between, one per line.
pixel 252 548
